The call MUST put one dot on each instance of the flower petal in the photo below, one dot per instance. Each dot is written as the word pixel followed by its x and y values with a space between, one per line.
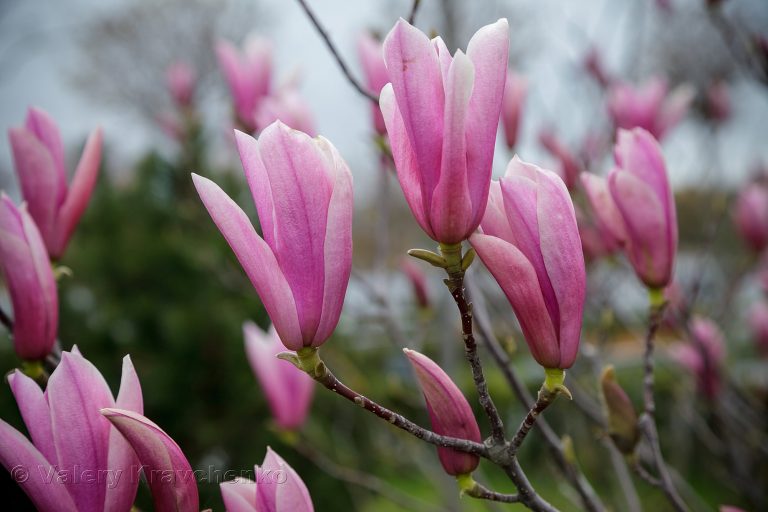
pixel 239 495
pixel 35 412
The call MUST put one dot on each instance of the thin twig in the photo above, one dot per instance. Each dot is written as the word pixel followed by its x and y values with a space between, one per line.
pixel 414 8
pixel 645 475
pixel 6 320
pixel 481 492
pixel 456 287
pixel 542 402
pixel 344 69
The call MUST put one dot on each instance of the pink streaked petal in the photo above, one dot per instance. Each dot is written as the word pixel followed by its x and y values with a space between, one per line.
pixel 46 131
pixel 47 493
pixel 76 392
pixel 35 412
pixel 488 50
pixel 674 109
pixel 239 495
pixel 408 173
pixel 79 193
pixel 258 181
pixel 603 205
pixel 518 280
pixel 451 205
pixel 261 349
pixel 256 258
pixel 337 250
pixel 495 221
pixel 160 457
pixel 444 57
pixel 564 260
pixel 414 71
pixel 290 494
pixel 232 68
pixel 38 179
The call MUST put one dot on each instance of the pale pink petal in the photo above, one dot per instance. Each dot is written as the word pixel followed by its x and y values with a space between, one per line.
pixel 35 412
pixel 45 130
pixel 239 495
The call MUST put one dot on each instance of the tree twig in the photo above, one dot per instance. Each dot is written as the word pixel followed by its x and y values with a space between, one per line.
pixel 414 8
pixel 6 320
pixel 542 402
pixel 344 68
pixel 481 492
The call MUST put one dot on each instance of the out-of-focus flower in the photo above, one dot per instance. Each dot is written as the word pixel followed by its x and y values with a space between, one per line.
pixel 442 115
pixel 371 55
pixel 703 355
pixel 277 488
pixel 38 156
pixel 71 438
pixel 649 106
pixel 248 74
pixel 569 166
pixel 449 413
pixel 287 389
pixel 605 212
pixel 180 79
pixel 303 194
pixel 418 281
pixel 530 243
pixel 622 417
pixel 289 107
pixel 594 66
pixel 515 90
pixel 718 101
pixel 730 508
pixel 168 473
pixel 751 215
pixel 640 188
pixel 30 280
pixel 758 324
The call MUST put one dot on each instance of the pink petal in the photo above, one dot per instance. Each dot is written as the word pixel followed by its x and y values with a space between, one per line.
pixel 518 280
pixel 605 210
pixel 35 412
pixel 407 166
pixel 79 193
pixel 170 477
pixel 371 54
pixel 280 487
pixel 564 260
pixel 42 485
pixel 239 495
pixel 257 260
pixel 76 392
pixel 515 90
pixel 495 221
pixel 45 130
pixel 122 461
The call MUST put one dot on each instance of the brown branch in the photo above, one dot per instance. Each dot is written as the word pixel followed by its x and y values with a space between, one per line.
pixel 545 398
pixel 6 320
pixel 414 8
pixel 344 69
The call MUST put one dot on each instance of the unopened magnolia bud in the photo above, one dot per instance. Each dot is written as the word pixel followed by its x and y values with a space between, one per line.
pixel 622 418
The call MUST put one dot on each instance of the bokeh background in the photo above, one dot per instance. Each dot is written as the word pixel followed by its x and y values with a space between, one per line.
pixel 153 278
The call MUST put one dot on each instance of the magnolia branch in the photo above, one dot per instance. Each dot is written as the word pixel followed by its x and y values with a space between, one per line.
pixel 545 398
pixel 344 68
pixel 6 320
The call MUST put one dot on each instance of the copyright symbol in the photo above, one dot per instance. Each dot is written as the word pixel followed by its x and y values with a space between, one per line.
pixel 19 474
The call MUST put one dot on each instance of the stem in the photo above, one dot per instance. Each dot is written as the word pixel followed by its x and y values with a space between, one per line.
pixel 545 398
pixel 311 363
pixel 414 8
pixel 647 422
pixel 6 320
pixel 455 283
pixel 344 69
pixel 527 494
pixel 471 488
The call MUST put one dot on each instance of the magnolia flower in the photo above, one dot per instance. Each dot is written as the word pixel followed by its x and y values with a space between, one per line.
pixel 71 440
pixel 180 79
pixel 168 473
pixel 277 488
pixel 649 106
pixel 758 324
pixel 530 243
pixel 449 413
pixel 371 56
pixel 640 189
pixel 751 215
pixel 288 107
pixel 303 194
pixel 38 157
pixel 606 214
pixel 703 355
pixel 515 90
pixel 570 168
pixel 248 74
pixel 442 114
pixel 287 389
pixel 418 281
pixel 30 281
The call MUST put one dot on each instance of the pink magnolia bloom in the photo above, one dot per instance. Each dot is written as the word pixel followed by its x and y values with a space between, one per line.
pixel 640 188
pixel 303 194
pixel 758 324
pixel 649 106
pixel 530 243
pixel 371 55
pixel 168 473
pixel 180 79
pixel 593 64
pixel 277 488
pixel 418 280
pixel 30 282
pixel 248 74
pixel 703 355
pixel 288 390
pixel 442 114
pixel 606 215
pixel 751 215
pixel 449 413
pixel 515 90
pixel 38 156
pixel 289 107
pixel 570 168
pixel 718 101
pixel 71 440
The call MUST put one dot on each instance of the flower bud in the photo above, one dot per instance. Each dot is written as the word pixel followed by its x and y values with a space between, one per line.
pixel 622 417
